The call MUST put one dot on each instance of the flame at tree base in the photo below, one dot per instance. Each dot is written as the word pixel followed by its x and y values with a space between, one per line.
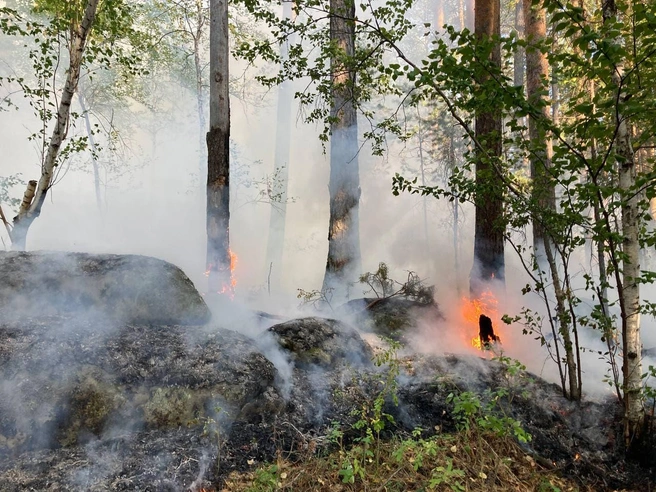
pixel 226 279
pixel 472 309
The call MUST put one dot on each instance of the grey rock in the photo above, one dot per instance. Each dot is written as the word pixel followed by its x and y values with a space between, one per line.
pixel 391 317
pixel 321 341
pixel 127 288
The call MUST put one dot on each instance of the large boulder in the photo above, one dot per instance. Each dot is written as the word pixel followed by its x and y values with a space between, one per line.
pixel 127 288
pixel 64 380
pixel 321 341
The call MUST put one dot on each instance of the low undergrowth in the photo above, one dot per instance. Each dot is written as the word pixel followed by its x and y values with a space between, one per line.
pixel 485 454
pixel 463 461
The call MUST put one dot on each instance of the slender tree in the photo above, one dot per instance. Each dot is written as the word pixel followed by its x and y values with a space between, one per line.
pixel 470 14
pixel 343 263
pixel 544 192
pixel 35 194
pixel 489 228
pixel 518 65
pixel 92 146
pixel 218 153
pixel 628 284
pixel 280 180
pixel 195 25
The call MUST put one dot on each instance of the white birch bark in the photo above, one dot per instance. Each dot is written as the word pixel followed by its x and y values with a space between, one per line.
pixel 78 42
pixel 628 285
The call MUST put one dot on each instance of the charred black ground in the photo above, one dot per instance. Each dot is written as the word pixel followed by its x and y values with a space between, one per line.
pixel 167 453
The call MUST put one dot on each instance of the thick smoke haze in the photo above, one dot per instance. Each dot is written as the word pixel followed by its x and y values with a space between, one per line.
pixel 157 208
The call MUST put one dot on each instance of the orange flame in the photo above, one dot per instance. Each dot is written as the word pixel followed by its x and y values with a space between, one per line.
pixel 473 308
pixel 228 289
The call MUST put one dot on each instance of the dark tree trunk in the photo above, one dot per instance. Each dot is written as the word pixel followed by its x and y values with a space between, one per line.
pixel 218 153
pixel 343 263
pixel 489 228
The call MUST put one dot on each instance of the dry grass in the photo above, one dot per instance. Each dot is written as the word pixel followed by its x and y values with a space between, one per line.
pixel 466 461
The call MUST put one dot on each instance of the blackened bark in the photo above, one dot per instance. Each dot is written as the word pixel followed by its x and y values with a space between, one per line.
pixel 218 209
pixel 343 264
pixel 218 153
pixel 489 228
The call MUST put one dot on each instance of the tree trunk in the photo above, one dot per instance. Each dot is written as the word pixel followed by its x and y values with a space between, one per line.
pixel 537 73
pixel 218 153
pixel 422 169
pixel 94 151
pixel 200 93
pixel 280 182
pixel 470 14
pixel 461 14
pixel 629 284
pixel 489 228
pixel 78 40
pixel 439 15
pixel 343 264
pixel 544 193
pixel 518 65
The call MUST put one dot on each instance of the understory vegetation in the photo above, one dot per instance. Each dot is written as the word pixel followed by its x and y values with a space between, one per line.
pixel 485 453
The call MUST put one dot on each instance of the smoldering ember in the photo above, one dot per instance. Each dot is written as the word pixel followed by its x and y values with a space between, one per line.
pixel 327 245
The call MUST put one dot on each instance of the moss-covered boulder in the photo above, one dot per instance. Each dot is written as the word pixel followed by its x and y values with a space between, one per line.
pixel 321 341
pixel 127 288
pixel 391 317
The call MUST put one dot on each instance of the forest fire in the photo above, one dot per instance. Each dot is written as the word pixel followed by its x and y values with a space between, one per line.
pixel 478 315
pixel 230 287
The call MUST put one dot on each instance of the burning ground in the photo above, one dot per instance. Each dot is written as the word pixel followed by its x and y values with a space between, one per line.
pixel 92 402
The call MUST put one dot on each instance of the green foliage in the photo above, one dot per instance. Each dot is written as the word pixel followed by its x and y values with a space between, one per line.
pixel 447 475
pixel 472 413
pixel 265 479
pixel 488 414
pixel 316 298
pixel 371 420
pixel 7 184
pixel 112 58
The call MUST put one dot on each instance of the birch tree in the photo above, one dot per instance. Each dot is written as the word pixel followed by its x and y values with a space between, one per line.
pixel 94 47
pixel 218 153
pixel 628 285
pixel 543 191
pixel 35 195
